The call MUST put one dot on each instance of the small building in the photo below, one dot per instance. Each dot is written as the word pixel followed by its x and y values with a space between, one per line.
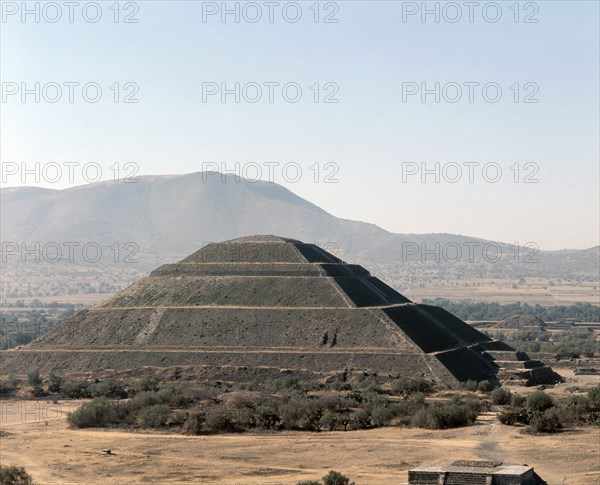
pixel 464 472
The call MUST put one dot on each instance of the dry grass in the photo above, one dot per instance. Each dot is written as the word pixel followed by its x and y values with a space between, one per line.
pixel 36 436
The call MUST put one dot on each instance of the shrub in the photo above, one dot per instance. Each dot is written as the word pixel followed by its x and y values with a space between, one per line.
pixel 244 418
pixel 514 416
pixel 485 386
pixel 283 384
pixel 336 478
pixel 538 401
pixel 267 417
pixel 38 391
pixel 194 422
pixel 100 412
pixel 150 398
pixel 501 396
pixel 546 422
pixel 309 482
pixel 411 386
pixel 186 395
pixel 148 383
pixel 219 420
pixel 360 419
pixel 470 385
pixel 370 387
pixel 330 421
pixel 452 414
pixel 76 389
pixel 517 400
pixel 107 389
pixel 154 416
pixel 14 475
pixel 34 379
pixel 55 384
pixel 594 396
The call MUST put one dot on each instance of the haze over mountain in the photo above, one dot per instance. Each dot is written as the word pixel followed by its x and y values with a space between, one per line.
pixel 177 214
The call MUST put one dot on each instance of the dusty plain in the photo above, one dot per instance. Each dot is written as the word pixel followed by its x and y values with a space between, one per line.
pixel 35 434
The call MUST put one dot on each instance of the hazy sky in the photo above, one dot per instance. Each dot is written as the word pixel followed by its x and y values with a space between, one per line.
pixel 372 60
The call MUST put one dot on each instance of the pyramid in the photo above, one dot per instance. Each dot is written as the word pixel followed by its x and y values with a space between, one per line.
pixel 267 301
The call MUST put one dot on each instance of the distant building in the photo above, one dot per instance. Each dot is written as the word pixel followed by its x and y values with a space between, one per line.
pixel 474 473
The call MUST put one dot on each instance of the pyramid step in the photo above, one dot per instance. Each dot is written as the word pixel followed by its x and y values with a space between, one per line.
pixel 505 355
pixel 518 364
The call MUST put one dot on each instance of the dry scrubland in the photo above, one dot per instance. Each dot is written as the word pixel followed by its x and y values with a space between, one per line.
pixel 43 443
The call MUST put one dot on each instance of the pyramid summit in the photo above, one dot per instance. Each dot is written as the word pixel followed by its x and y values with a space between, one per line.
pixel 267 301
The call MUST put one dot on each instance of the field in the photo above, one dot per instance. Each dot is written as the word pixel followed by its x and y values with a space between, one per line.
pixel 60 455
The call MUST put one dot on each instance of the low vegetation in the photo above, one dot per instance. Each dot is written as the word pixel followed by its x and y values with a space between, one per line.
pixel 332 478
pixel 14 475
pixel 284 403
pixel 541 414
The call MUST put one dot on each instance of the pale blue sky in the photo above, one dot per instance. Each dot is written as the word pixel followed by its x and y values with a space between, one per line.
pixel 369 53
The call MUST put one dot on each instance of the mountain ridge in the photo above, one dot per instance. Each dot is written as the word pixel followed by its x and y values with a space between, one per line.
pixel 177 214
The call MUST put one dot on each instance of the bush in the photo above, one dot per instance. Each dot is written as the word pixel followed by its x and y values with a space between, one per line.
pixel 514 416
pixel 38 391
pixel 34 379
pixel 336 478
pixel 538 401
pixel 55 384
pixel 98 413
pixel 546 422
pixel 219 420
pixel 594 396
pixel 452 414
pixel 194 422
pixel 107 389
pixel 517 400
pixel 360 419
pixel 76 389
pixel 150 398
pixel 267 417
pixel 500 396
pixel 14 475
pixel 283 384
pixel 411 386
pixel 148 383
pixel 383 415
pixel 470 385
pixel 485 386
pixel 154 416
pixel 330 421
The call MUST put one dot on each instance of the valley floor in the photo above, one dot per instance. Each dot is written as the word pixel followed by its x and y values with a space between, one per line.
pixel 35 435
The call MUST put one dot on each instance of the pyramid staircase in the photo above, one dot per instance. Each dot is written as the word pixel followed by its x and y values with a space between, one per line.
pixel 517 368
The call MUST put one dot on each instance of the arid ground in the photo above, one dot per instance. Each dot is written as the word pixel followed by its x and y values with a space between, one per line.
pixel 35 435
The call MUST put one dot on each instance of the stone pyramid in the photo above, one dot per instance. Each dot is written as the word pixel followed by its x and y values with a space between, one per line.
pixel 266 301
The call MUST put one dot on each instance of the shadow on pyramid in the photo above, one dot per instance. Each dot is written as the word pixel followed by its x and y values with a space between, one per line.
pixel 267 301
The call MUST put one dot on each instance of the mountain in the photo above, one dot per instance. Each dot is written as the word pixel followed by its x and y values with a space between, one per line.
pixel 170 216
